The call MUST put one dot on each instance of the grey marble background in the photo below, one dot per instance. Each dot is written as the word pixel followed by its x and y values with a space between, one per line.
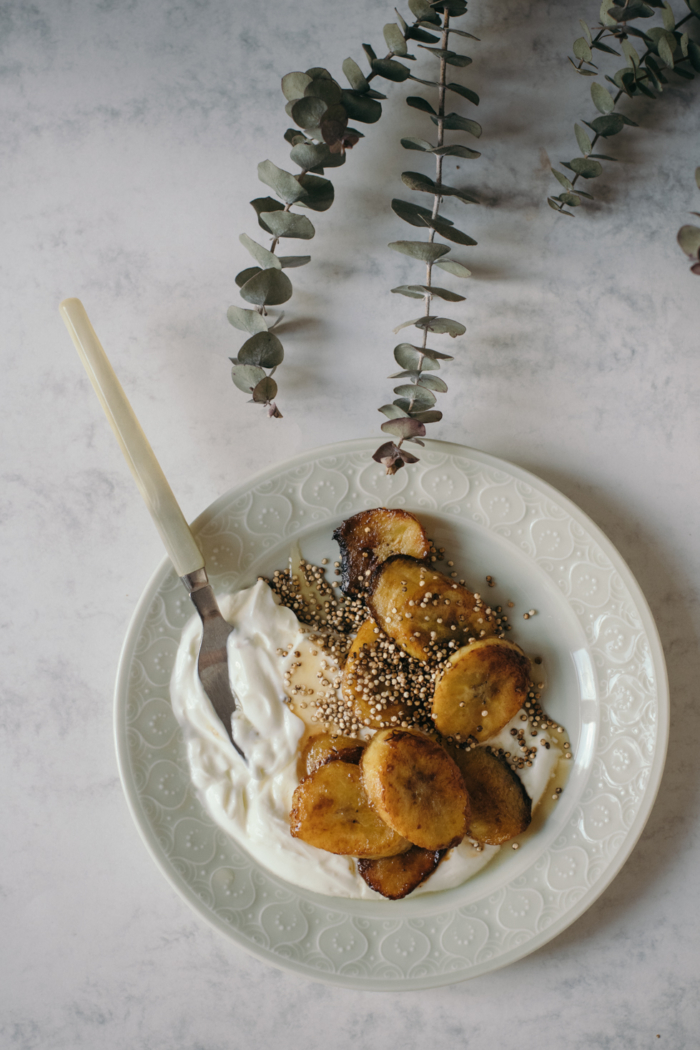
pixel 131 131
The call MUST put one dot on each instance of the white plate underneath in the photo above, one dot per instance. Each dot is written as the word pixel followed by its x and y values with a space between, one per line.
pixel 606 683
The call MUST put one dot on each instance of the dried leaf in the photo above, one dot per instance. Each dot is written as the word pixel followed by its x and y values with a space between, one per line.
pixel 265 391
pixel 392 457
pixel 404 427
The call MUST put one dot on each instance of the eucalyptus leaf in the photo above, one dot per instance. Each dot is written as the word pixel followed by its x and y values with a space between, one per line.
pixel 288 224
pixel 689 240
pixel 553 203
pixel 413 359
pixel 582 49
pixel 288 262
pixel 430 416
pixel 412 375
pixel 584 143
pixel 604 47
pixel 423 11
pixel 308 111
pixel 264 349
pixel 265 258
pixel 354 75
pixel 602 99
pixel 360 107
pixel 420 249
pixel 453 122
pixel 245 275
pixel 455 268
pixel 416 102
pixel 319 192
pixel 426 83
pixel 266 204
pixel 566 183
pixel 694 6
pixel 586 30
pixel 586 167
pixel 455 151
pixel 418 397
pixel 433 383
pixel 267 288
pixel 414 214
pixel 420 290
pixel 294 85
pixel 395 39
pixel 665 52
pixel 413 33
pixel 311 155
pixel 265 391
pixel 389 69
pixel 464 92
pixel 451 233
pixel 572 199
pixel 404 427
pixel 327 90
pixel 392 411
pixel 246 320
pixel 441 326
pixel 450 57
pixel 247 377
pixel 668 17
pixel 630 10
pixel 610 124
pixel 697 177
pixel 415 180
pixel 418 144
pixel 630 53
pixel 694 54
pixel 469 36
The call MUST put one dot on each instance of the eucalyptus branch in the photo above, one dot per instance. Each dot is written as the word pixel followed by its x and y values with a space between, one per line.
pixel 689 237
pixel 321 110
pixel 666 50
pixel 413 408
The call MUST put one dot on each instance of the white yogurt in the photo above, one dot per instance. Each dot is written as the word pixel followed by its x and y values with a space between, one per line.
pixel 251 802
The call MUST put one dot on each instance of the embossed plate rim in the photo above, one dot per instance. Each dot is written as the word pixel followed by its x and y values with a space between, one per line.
pixel 432 903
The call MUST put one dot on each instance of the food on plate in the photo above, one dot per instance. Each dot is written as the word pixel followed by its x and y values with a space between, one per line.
pixel 389 731
pixel 368 538
pixel 324 747
pixel 499 806
pixel 396 877
pixel 416 788
pixel 422 609
pixel 483 685
pixel 331 810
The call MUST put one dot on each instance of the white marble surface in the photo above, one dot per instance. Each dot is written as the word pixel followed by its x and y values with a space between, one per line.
pixel 131 132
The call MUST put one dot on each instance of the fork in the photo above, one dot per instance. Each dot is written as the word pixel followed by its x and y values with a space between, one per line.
pixel 180 544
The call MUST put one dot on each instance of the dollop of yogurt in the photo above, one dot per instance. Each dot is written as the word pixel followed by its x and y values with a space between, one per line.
pixel 251 801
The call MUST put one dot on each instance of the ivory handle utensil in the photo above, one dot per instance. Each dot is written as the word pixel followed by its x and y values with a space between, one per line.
pixel 164 509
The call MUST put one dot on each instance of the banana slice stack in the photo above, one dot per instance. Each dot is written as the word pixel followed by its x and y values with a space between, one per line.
pixel 400 802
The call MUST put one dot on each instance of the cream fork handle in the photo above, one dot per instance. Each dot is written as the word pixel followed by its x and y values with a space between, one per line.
pixel 152 483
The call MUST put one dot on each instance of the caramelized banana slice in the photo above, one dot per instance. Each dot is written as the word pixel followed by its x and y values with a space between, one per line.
pixel 415 787
pixel 330 810
pixel 362 688
pixel 323 748
pixel 368 538
pixel 500 806
pixel 416 605
pixel 483 686
pixel 396 877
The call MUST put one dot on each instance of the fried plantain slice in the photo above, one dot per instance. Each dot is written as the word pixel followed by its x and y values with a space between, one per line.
pixel 373 699
pixel 396 877
pixel 419 606
pixel 331 810
pixel 500 806
pixel 415 787
pixel 483 686
pixel 324 747
pixel 368 538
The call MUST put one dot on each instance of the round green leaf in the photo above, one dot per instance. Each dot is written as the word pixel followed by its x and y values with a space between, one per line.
pixel 391 411
pixel 582 49
pixel 264 349
pixel 355 77
pixel 441 326
pixel 404 427
pixel 414 214
pixel 307 112
pixel 327 90
pixel 247 377
pixel 395 39
pixel 310 155
pixel 265 258
pixel 265 204
pixel 450 233
pixel 440 293
pixel 319 192
pixel 453 122
pixel 413 357
pixel 267 288
pixel 288 224
pixel 455 268
pixel 418 144
pixel 420 249
pixel 432 383
pixel 689 240
pixel 418 397
pixel 586 168
pixel 455 151
pixel 602 99
pixel 246 320
pixel 265 390
pixel 245 275
pixel 288 262
pixel 360 107
pixel 294 85
pixel 611 124
pixel 464 92
pixel 390 70
pixel 424 11
pixel 430 416
pixel 584 144
pixel 416 102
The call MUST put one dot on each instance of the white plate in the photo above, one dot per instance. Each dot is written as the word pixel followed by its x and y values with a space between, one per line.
pixel 606 683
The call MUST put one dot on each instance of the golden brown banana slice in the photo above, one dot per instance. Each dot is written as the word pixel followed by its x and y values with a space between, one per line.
pixel 368 538
pixel 484 685
pixel 417 605
pixel 396 877
pixel 365 683
pixel 415 787
pixel 330 810
pixel 324 747
pixel 500 806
